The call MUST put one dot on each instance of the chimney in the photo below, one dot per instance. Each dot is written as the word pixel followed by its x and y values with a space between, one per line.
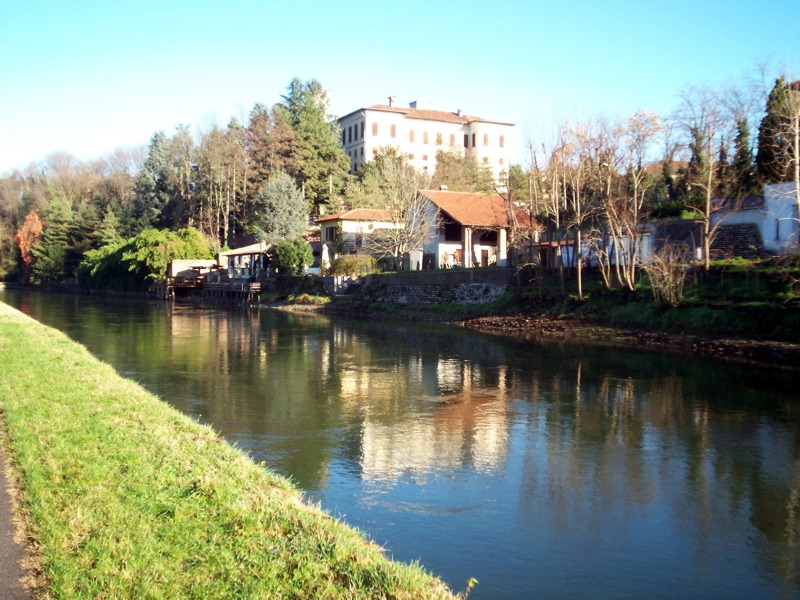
pixel 391 101
pixel 458 112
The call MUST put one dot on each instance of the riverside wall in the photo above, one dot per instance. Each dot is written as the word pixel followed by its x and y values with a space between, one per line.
pixel 438 287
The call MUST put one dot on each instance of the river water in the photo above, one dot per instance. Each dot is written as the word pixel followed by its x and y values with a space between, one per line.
pixel 541 470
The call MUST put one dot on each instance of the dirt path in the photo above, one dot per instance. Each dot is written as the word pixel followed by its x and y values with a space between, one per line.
pixel 11 553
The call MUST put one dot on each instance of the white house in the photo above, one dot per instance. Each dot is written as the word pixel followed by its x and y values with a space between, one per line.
pixel 345 232
pixel 420 132
pixel 473 229
pixel 774 213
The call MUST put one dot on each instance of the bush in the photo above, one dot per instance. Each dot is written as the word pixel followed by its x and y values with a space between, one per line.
pixel 304 298
pixel 667 272
pixel 293 256
pixel 352 265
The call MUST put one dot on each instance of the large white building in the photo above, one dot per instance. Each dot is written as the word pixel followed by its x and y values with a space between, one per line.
pixel 420 132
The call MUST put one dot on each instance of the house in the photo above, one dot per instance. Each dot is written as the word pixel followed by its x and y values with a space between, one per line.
pixel 772 216
pixel 245 263
pixel 344 233
pixel 472 229
pixel 419 132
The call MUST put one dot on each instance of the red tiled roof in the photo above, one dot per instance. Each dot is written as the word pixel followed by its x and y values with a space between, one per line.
pixel 478 210
pixel 426 114
pixel 359 214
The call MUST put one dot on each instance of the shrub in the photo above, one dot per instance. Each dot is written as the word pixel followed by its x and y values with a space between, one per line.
pixel 293 256
pixel 352 265
pixel 667 270
pixel 304 298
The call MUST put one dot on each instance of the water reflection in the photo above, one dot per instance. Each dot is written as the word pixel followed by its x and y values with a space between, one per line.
pixel 541 470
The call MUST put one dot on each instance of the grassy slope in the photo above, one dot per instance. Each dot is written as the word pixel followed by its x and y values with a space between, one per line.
pixel 129 498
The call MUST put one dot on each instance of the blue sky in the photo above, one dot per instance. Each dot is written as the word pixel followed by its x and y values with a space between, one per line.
pixel 86 77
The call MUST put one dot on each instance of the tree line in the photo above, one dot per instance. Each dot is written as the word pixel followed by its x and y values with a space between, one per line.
pixel 268 174
pixel 594 183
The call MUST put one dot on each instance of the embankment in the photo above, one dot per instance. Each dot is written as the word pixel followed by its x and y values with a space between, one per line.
pixel 125 497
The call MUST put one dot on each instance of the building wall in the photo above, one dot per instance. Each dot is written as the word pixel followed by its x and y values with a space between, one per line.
pixel 777 221
pixel 365 131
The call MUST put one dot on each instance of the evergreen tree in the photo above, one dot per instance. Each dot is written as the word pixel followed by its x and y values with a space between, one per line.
pixel 281 212
pixel 723 174
pixel 109 229
pixel 697 168
pixel 151 189
pixel 271 146
pixel 774 145
pixel 51 251
pixel 322 164
pixel 742 170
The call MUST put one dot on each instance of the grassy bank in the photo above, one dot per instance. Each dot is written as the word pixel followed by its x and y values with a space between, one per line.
pixel 126 497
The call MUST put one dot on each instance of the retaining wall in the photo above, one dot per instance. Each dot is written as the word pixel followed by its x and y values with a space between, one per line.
pixel 439 287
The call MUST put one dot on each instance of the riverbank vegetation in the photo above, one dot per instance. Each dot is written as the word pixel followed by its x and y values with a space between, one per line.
pixel 124 497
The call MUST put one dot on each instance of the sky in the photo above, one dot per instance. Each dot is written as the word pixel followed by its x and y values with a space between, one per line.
pixel 86 77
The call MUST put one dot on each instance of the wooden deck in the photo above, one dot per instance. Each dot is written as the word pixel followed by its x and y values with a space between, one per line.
pixel 230 291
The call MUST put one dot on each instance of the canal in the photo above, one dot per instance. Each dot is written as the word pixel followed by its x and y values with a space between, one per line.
pixel 541 470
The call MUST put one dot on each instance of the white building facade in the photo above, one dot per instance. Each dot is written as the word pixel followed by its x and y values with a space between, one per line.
pixel 775 214
pixel 420 132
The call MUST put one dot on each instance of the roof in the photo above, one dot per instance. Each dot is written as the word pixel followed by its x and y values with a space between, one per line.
pixel 477 210
pixel 359 214
pixel 733 204
pixel 251 249
pixel 426 114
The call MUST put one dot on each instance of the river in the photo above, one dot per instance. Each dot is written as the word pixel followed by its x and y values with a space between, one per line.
pixel 541 470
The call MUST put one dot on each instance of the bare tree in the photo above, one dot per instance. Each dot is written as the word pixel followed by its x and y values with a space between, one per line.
pixel 703 117
pixel 411 224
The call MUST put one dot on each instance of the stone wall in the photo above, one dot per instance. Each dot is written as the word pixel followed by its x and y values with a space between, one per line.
pixel 439 287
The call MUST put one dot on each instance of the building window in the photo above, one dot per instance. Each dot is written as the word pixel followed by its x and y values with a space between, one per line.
pixel 474 137
pixel 438 139
pixel 374 151
pixel 330 234
pixel 424 137
pixel 424 157
pixel 502 141
pixel 362 150
pixel 393 130
pixel 344 137
pixel 501 161
pixel 410 157
pixel 411 136
pixel 349 135
pixel 362 130
pixel 485 139
pixel 466 140
pixel 452 231
pixel 452 139
pixel 374 129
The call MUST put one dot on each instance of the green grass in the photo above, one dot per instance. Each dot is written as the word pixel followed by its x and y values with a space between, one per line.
pixel 304 298
pixel 127 498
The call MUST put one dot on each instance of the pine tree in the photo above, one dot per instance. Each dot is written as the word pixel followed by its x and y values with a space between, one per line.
pixel 723 173
pixel 151 187
pixel 321 161
pixel 743 169
pixel 51 252
pixel 774 145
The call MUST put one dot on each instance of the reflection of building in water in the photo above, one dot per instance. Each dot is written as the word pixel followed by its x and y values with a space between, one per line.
pixel 466 424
